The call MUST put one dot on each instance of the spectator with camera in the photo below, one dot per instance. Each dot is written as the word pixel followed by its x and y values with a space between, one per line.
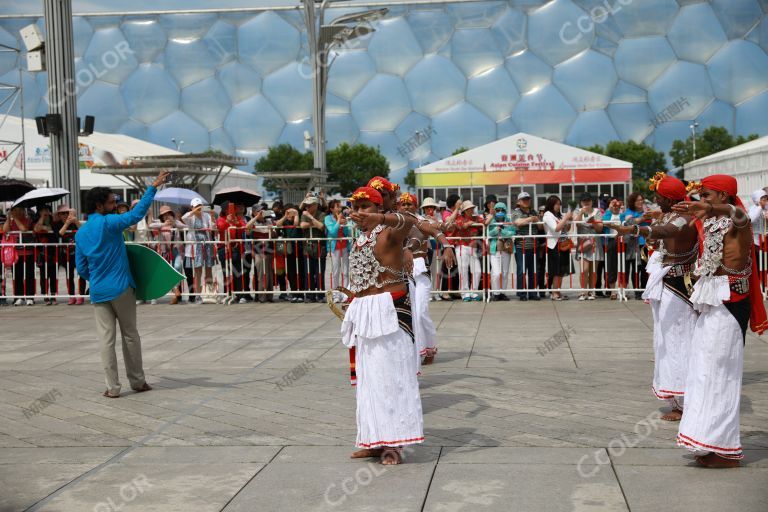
pixel 199 249
pixel 450 281
pixel 559 245
pixel 45 254
pixel 167 227
pixel 525 221
pixel 232 227
pixel 469 228
pixel 261 228
pixel 635 252
pixel 65 225
pixel 540 247
pixel 292 250
pixel 18 229
pixel 501 231
pixel 611 216
pixel 338 229
pixel 313 227
pixel 589 249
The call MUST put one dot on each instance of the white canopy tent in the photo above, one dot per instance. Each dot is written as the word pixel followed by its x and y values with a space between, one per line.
pixel 524 162
pixel 96 149
pixel 748 163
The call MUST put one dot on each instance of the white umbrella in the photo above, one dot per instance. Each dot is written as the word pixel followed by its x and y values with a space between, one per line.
pixel 39 197
pixel 179 196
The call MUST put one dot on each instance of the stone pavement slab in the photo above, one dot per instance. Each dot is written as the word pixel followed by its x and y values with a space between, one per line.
pixel 650 488
pixel 252 410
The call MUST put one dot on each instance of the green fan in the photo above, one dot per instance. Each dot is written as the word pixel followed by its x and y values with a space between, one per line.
pixel 153 275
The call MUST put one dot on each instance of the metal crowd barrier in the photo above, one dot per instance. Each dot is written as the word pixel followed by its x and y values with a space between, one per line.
pixel 272 267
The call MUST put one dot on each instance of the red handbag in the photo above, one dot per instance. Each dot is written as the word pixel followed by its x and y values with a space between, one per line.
pixel 9 255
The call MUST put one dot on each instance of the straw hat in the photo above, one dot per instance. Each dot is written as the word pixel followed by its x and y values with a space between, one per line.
pixel 428 201
pixel 466 205
pixel 166 209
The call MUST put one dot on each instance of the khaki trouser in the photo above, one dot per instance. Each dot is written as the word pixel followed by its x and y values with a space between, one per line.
pixel 122 309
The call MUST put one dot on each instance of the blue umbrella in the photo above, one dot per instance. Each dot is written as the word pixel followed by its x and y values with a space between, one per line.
pixel 179 196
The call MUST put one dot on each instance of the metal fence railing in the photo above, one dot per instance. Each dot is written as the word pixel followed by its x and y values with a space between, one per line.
pixel 264 265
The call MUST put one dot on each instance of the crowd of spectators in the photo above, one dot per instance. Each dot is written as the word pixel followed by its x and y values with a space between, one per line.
pixel 547 247
pixel 294 252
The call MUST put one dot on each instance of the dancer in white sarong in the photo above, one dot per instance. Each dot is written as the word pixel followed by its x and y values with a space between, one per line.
pixel 727 294
pixel 378 324
pixel 668 290
pixel 426 229
pixel 416 248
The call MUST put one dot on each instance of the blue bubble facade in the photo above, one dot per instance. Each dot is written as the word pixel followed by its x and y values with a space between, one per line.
pixel 447 75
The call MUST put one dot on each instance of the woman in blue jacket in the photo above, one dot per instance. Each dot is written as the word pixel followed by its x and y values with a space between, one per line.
pixel 501 231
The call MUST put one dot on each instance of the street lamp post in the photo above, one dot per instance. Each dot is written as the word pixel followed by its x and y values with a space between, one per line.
pixel 321 39
pixel 693 130
pixel 62 99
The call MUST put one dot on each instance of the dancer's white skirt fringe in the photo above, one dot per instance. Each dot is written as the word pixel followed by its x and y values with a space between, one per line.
pixel 656 273
pixel 373 316
pixel 713 386
pixel 674 324
pixel 388 401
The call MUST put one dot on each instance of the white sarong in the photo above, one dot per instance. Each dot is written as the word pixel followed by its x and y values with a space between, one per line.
pixel 423 327
pixel 673 323
pixel 713 385
pixel 672 335
pixel 388 401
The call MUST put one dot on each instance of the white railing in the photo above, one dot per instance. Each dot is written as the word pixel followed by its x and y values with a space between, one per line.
pixel 271 266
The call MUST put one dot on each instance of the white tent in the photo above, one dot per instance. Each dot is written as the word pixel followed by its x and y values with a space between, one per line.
pixel 748 163
pixel 524 162
pixel 96 149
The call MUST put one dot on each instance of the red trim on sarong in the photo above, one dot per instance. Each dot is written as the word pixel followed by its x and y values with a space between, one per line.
pixel 672 394
pixel 394 443
pixel 685 444
pixel 352 372
pixel 690 441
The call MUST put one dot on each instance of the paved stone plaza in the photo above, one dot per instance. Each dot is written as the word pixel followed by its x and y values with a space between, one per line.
pixel 529 407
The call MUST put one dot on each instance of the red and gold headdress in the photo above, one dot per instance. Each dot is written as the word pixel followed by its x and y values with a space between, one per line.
pixel 369 194
pixel 407 197
pixel 381 184
pixel 667 186
pixel 653 183
pixel 693 187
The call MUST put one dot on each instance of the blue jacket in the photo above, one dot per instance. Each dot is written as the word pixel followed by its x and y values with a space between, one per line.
pixel 334 230
pixel 100 250
pixel 498 231
pixel 631 214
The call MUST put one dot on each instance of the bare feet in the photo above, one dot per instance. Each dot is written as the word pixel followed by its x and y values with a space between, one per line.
pixel 673 415
pixel 366 453
pixel 110 395
pixel 715 461
pixel 391 457
pixel 145 387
